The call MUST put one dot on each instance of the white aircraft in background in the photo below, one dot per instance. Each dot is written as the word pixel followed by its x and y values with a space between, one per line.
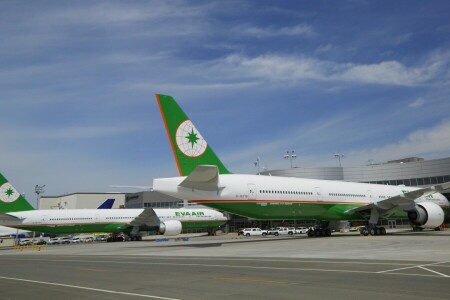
pixel 205 180
pixel 8 231
pixel 16 212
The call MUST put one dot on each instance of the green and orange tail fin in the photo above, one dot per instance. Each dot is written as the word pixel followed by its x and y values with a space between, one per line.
pixel 10 199
pixel 189 147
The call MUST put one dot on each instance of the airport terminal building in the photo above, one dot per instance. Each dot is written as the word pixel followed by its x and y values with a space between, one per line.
pixel 412 171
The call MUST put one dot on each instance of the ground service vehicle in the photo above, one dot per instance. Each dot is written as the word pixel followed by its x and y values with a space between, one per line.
pixel 253 231
pixel 301 230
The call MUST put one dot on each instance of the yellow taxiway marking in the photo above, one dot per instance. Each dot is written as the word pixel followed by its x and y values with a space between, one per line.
pixel 252 280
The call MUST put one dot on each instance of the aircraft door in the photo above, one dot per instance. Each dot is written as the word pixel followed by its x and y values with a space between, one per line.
pixel 251 191
pixel 318 193
pixel 370 196
pixel 44 219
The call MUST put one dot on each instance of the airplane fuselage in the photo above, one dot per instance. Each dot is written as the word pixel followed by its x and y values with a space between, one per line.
pixel 112 220
pixel 284 198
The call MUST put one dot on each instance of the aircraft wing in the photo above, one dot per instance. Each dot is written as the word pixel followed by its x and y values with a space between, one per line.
pixel 148 218
pixel 405 201
pixel 203 177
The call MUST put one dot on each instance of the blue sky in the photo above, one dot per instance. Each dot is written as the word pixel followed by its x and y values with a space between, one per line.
pixel 369 79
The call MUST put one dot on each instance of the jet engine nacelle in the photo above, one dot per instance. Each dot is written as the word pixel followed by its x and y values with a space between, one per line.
pixel 170 227
pixel 426 215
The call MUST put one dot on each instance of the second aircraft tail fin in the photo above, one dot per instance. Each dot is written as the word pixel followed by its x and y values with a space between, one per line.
pixel 10 199
pixel 189 147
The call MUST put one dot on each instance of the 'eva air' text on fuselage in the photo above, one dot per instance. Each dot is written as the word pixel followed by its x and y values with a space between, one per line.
pixel 187 214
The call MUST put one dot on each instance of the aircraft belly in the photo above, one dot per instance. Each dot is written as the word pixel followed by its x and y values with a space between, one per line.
pixel 286 210
pixel 76 228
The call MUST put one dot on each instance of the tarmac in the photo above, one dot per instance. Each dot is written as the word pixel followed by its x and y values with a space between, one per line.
pixel 400 265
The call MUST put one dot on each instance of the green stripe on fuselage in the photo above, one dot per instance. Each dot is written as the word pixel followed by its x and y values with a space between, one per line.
pixel 112 228
pixel 83 228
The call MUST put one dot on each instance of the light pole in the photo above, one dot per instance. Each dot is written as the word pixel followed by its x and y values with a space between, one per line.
pixel 339 156
pixel 256 163
pixel 39 189
pixel 290 155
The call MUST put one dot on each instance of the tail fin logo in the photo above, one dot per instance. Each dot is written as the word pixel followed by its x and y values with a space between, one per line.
pixel 8 193
pixel 189 140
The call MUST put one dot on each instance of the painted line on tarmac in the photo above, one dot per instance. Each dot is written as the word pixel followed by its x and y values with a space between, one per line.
pixel 238 259
pixel 88 288
pixel 443 275
pixel 423 267
pixel 256 280
pixel 248 267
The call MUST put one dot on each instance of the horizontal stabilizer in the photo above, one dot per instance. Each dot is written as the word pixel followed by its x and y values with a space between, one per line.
pixel 204 177
pixel 6 217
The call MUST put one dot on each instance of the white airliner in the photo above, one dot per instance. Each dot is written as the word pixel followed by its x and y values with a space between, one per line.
pixel 8 231
pixel 205 180
pixel 16 212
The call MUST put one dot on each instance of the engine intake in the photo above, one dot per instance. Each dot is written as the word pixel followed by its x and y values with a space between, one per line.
pixel 426 215
pixel 170 227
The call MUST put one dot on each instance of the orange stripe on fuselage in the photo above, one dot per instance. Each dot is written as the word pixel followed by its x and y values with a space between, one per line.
pixel 168 135
pixel 274 201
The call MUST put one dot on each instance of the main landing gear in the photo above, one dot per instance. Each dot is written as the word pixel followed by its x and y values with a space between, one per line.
pixel 372 230
pixel 319 232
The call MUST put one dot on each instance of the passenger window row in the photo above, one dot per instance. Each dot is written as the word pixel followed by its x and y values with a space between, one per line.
pixel 285 192
pixel 346 195
pixel 69 219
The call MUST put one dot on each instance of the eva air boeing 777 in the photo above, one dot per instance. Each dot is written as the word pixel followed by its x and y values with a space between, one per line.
pixel 16 212
pixel 204 179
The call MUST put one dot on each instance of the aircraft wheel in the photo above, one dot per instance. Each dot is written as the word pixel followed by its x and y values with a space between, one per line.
pixel 383 231
pixel 364 231
pixel 328 232
pixel 372 231
pixel 310 233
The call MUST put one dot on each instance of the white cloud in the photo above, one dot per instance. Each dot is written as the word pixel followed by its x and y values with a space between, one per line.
pixel 263 32
pixel 325 48
pixel 290 68
pixel 417 103
pixel 430 142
